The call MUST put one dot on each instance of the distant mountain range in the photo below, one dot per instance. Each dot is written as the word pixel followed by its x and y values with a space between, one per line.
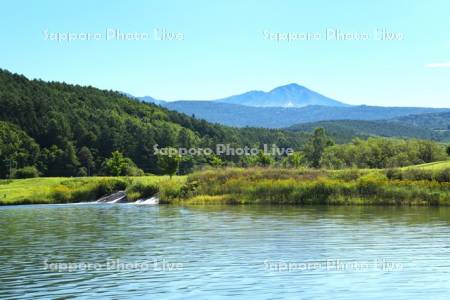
pixel 279 117
pixel 291 95
pixel 283 107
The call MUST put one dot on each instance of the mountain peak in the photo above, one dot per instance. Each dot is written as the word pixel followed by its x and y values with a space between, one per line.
pixel 291 89
pixel 290 86
pixel 289 95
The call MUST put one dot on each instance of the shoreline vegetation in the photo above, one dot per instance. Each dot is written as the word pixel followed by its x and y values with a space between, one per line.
pixel 421 185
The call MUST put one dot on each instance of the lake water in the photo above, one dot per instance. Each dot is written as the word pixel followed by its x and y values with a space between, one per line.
pixel 124 251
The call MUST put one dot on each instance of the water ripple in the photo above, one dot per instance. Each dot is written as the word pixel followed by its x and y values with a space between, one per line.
pixel 224 252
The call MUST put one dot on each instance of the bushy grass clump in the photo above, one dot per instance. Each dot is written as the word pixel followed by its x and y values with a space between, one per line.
pixel 439 175
pixel 140 190
pixel 305 187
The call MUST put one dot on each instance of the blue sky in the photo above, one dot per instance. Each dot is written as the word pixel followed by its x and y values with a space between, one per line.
pixel 225 49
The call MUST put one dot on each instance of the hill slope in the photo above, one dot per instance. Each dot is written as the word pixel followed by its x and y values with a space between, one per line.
pixel 344 131
pixel 436 121
pixel 434 166
pixel 64 118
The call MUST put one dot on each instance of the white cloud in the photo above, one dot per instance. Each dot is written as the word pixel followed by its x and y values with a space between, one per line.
pixel 439 65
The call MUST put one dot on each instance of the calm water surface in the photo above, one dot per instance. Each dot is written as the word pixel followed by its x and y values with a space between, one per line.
pixel 169 252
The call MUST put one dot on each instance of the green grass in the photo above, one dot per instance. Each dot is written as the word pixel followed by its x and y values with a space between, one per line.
pixel 19 190
pixel 63 190
pixel 427 184
pixel 309 187
pixel 440 165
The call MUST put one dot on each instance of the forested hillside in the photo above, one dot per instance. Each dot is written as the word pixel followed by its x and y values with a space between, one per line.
pixel 435 121
pixel 282 117
pixel 344 131
pixel 69 130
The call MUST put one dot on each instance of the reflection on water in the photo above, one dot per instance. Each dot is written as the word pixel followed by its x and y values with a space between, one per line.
pixel 214 252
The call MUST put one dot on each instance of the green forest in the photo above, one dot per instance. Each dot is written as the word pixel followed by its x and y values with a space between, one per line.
pixel 413 126
pixel 58 129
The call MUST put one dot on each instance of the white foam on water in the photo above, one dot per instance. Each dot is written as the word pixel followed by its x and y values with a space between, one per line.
pixel 116 200
pixel 150 201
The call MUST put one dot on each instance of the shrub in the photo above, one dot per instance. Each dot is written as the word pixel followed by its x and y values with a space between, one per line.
pixel 133 171
pixel 348 175
pixel 443 175
pixel 143 190
pixel 418 174
pixel 80 195
pixel 26 172
pixel 394 174
pixel 369 187
pixel 188 189
pixel 169 190
pixel 119 165
pixel 109 186
pixel 319 193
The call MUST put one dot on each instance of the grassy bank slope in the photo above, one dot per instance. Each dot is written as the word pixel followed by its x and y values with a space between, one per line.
pixel 65 190
pixel 304 187
pixel 427 184
pixel 439 165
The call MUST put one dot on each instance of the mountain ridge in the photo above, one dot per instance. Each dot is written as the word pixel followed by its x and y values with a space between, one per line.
pixel 289 95
pixel 284 106
pixel 281 117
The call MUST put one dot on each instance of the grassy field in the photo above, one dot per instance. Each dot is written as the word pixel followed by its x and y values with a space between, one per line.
pixel 427 184
pixel 440 165
pixel 63 190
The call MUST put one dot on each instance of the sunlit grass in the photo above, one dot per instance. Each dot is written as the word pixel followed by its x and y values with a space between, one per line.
pixel 63 189
pixel 426 184
pixel 439 165
pixel 308 187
